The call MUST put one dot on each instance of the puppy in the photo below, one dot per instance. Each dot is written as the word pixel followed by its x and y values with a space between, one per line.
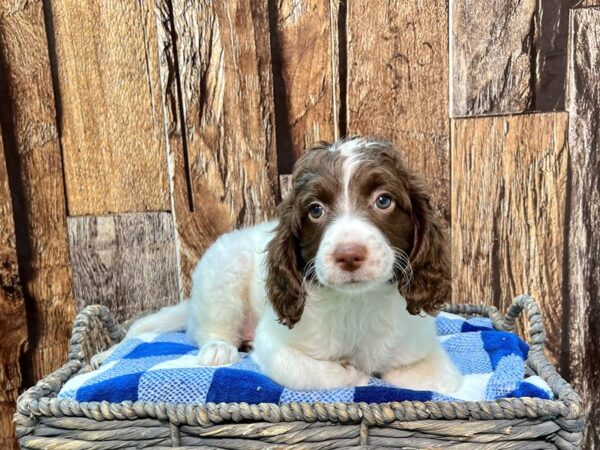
pixel 342 286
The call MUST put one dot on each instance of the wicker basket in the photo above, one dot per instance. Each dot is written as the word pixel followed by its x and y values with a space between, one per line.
pixel 43 421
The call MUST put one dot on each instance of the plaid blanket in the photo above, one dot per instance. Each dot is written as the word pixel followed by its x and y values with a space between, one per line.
pixel 163 368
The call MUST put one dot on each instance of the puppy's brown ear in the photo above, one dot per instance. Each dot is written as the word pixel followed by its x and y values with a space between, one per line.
pixel 430 255
pixel 284 264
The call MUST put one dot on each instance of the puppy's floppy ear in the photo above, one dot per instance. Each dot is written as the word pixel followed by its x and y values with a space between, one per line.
pixel 430 255
pixel 284 264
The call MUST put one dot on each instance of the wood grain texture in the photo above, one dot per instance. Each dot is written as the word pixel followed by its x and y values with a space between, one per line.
pixel 492 56
pixel 112 127
pixel 397 82
pixel 13 319
pixel 306 82
pixel 126 262
pixel 582 325
pixel 508 213
pixel 223 70
pixel 33 159
pixel 550 47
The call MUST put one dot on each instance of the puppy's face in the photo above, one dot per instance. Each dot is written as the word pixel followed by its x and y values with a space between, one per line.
pixel 356 230
pixel 356 218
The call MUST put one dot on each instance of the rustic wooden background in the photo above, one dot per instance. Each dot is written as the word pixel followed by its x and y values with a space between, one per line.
pixel 135 132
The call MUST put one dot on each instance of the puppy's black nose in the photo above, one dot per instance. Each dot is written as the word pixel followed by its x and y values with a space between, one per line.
pixel 350 257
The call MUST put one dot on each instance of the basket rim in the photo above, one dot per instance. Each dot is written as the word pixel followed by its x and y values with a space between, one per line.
pixel 38 401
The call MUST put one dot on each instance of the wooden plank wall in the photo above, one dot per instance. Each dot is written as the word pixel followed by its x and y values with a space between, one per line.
pixel 581 360
pixel 306 84
pixel 33 160
pixel 113 256
pixel 104 123
pixel 110 116
pixel 492 50
pixel 397 79
pixel 509 56
pixel 223 56
pixel 135 133
pixel 13 318
pixel 508 212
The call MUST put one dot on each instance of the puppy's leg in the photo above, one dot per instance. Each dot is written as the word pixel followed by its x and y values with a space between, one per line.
pixel 436 372
pixel 296 370
pixel 219 298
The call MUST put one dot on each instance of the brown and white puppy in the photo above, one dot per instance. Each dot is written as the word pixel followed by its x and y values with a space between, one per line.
pixel 342 285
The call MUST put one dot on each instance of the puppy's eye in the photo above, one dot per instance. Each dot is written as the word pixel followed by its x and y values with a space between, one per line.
pixel 384 201
pixel 316 211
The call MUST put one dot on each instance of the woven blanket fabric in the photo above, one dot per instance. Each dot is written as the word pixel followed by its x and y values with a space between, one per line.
pixel 163 368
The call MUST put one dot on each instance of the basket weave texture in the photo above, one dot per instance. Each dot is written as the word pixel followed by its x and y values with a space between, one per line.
pixel 43 421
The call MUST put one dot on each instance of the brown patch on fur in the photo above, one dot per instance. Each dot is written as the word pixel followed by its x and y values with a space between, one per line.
pixel 297 238
pixel 284 279
pixel 411 226
pixel 378 174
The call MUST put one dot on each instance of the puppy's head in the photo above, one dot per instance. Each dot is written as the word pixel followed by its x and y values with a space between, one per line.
pixel 357 218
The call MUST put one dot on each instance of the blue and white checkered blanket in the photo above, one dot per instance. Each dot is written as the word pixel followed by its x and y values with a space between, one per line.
pixel 163 368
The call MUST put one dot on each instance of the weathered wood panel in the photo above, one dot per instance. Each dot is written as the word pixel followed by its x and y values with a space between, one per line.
pixel 582 324
pixel 27 115
pixel 509 184
pixel 550 47
pixel 397 82
pixel 227 151
pixel 126 262
pixel 306 86
pixel 492 49
pixel 112 127
pixel 13 321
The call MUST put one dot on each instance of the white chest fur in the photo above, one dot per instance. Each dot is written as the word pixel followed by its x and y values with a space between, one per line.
pixel 371 330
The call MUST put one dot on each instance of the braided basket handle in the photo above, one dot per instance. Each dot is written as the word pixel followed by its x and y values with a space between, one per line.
pixel 94 330
pixel 535 320
pixel 507 322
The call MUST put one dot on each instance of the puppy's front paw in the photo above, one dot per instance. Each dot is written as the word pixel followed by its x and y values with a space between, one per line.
pixel 218 353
